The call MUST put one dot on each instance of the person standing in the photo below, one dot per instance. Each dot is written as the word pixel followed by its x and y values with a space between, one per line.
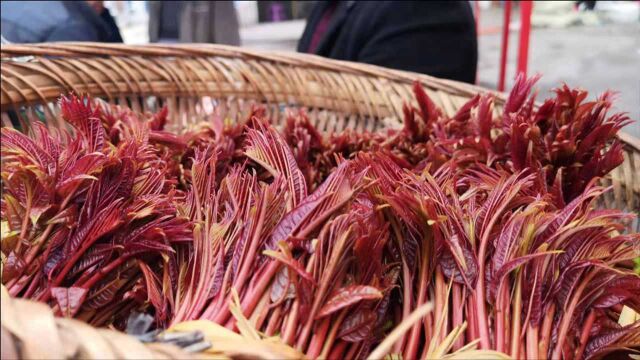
pixel 431 37
pixel 44 21
pixel 193 21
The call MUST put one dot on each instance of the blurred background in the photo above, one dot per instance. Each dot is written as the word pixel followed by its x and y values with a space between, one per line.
pixel 591 44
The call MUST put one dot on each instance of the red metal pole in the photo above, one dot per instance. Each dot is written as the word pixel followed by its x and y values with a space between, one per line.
pixel 477 15
pixel 505 45
pixel 526 8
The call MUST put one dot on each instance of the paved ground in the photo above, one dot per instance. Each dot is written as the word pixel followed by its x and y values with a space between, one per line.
pixel 595 58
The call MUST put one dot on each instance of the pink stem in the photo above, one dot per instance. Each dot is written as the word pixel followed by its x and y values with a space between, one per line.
pixel 568 314
pixel 274 322
pixel 458 314
pixel 25 225
pixel 481 309
pixel 19 285
pixel 516 314
pixel 76 256
pixel 255 241
pixel 216 305
pixel 532 342
pixel 41 240
pixel 414 338
pixel 441 301
pixel 543 347
pixel 251 300
pixel 263 314
pixel 353 351
pixel 317 341
pixel 332 334
pixel 291 326
pixel 472 332
pixel 337 352
pixel 406 300
pixel 103 272
pixel 93 280
pixel 501 303
pixel 33 286
pixel 584 336
pixel 304 333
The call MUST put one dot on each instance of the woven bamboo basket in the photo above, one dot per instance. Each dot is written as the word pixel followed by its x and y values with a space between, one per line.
pixel 30 331
pixel 194 79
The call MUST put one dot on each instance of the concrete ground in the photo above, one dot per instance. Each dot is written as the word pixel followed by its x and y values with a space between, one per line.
pixel 596 58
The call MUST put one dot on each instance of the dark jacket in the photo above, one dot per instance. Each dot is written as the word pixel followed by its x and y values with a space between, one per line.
pixel 431 37
pixel 42 21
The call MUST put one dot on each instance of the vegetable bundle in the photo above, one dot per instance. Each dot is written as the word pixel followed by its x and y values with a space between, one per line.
pixel 330 242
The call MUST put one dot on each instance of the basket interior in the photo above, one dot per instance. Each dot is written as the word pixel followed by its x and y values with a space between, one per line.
pixel 197 81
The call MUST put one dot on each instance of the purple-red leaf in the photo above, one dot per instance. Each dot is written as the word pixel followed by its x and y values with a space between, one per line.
pixel 358 326
pixel 69 299
pixel 347 296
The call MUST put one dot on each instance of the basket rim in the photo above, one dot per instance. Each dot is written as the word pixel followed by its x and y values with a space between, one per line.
pixel 16 53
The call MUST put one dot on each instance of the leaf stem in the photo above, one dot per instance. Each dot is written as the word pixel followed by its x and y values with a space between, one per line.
pixel 532 341
pixel 442 301
pixel 332 334
pixel 472 329
pixel 25 223
pixel 274 321
pixel 251 299
pixel 290 329
pixel 318 339
pixel 259 317
pixel 568 314
pixel 458 314
pixel 253 248
pixel 501 304
pixel 104 271
pixel 584 336
pixel 337 352
pixel 414 337
pixel 543 345
pixel 516 314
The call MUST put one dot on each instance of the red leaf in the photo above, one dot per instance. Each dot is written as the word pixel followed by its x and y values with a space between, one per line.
pixel 218 276
pixel 612 297
pixel 270 150
pixel 12 267
pixel 335 190
pixel 69 299
pixel 358 326
pixel 104 295
pixel 100 225
pixel 79 113
pixel 347 296
pixel 503 271
pixel 428 110
pixel 282 286
pixel 290 263
pixel 154 291
pixel 628 336
pixel 517 97
pixel 505 242
pixel 18 144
